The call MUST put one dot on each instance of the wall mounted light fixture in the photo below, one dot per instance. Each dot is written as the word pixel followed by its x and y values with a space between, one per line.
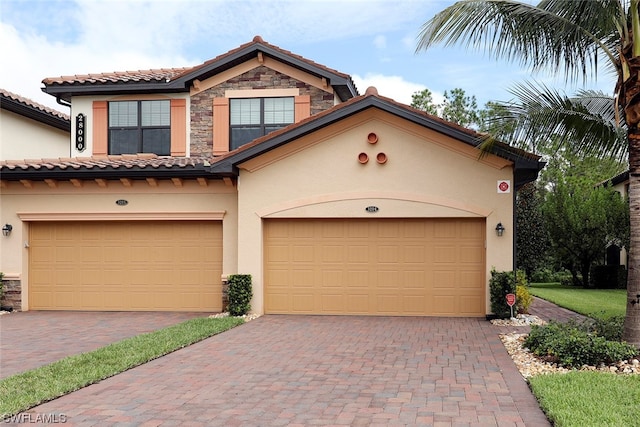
pixel 500 229
pixel 6 229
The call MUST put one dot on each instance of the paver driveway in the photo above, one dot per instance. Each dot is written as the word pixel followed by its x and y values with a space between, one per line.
pixel 320 370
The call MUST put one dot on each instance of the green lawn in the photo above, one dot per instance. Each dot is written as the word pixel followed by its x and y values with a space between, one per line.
pixel 27 389
pixel 587 398
pixel 602 303
pixel 584 399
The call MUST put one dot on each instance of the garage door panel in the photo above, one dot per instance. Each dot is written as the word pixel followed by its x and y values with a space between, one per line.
pixel 388 304
pixel 444 279
pixel 125 266
pixel 303 253
pixel 396 267
pixel 358 278
pixel 333 303
pixel 303 303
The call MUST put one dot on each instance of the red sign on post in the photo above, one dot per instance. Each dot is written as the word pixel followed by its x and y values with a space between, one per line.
pixel 511 299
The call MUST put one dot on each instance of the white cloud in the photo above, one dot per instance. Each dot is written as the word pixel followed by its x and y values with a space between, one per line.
pixel 99 36
pixel 394 87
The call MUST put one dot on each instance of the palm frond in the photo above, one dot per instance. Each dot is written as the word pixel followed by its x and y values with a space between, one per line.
pixel 545 36
pixel 540 116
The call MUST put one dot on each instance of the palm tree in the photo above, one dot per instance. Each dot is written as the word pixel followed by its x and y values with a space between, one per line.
pixel 571 39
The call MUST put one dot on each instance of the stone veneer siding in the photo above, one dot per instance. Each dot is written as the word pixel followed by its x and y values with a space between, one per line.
pixel 258 78
pixel 11 294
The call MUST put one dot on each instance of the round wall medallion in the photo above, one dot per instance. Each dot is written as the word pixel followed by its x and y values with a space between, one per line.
pixel 363 158
pixel 372 138
pixel 381 158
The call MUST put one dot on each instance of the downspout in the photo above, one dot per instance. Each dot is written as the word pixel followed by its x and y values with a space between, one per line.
pixel 62 102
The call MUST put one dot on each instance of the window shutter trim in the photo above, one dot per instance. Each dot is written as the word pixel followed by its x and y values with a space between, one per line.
pixel 179 127
pixel 302 107
pixel 220 126
pixel 100 128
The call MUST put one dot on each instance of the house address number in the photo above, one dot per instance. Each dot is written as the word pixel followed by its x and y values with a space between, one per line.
pixel 80 132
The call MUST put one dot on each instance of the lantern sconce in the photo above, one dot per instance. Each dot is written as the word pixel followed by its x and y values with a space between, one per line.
pixel 500 229
pixel 6 230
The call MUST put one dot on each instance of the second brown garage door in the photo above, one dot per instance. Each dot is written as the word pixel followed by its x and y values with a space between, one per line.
pixel 432 267
pixel 126 266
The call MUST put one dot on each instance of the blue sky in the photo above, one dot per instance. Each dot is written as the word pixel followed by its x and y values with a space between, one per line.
pixel 374 41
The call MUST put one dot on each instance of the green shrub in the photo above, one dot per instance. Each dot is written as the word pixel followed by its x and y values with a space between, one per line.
pixel 523 299
pixel 608 277
pixel 501 284
pixel 240 294
pixel 609 328
pixel 546 275
pixel 569 345
pixel 542 275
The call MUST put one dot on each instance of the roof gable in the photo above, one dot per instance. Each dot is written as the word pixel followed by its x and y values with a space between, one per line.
pixel 526 164
pixel 181 79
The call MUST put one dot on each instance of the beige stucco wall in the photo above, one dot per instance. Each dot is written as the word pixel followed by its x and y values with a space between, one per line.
pixel 23 138
pixel 427 175
pixel 21 205
pixel 84 105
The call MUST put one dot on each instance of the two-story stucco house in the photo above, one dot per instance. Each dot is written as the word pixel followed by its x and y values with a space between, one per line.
pixel 258 162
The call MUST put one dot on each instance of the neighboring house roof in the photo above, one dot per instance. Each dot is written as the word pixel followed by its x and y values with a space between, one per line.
pixel 32 110
pixel 619 179
pixel 527 165
pixel 131 166
pixel 180 79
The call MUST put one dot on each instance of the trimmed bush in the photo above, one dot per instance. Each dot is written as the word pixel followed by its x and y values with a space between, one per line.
pixel 501 284
pixel 569 345
pixel 240 294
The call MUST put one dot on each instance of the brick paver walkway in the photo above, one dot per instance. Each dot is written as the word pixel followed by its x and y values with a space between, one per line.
pixel 35 338
pixel 320 370
pixel 549 311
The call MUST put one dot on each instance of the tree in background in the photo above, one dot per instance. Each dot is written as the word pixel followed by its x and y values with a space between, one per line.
pixel 572 39
pixel 459 108
pixel 532 240
pixel 423 100
pixel 456 107
pixel 582 220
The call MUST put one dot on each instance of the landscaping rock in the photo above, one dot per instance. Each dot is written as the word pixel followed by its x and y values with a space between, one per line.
pixel 529 365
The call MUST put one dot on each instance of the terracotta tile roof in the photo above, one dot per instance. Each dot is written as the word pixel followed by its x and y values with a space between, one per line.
pixel 258 40
pixel 155 75
pixel 125 161
pixel 29 103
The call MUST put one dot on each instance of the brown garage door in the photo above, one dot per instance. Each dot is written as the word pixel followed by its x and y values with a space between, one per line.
pixel 129 266
pixel 433 267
